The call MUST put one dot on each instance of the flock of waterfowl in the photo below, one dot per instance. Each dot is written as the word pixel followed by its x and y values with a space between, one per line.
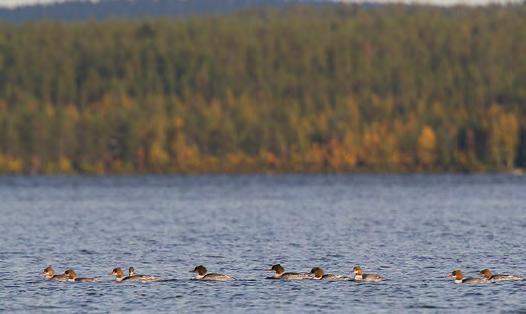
pixel 487 277
pixel 316 273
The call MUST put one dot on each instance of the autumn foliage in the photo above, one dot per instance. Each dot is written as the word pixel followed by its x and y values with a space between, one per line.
pixel 337 89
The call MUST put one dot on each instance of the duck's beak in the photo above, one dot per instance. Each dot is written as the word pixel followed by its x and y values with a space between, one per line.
pixel 450 275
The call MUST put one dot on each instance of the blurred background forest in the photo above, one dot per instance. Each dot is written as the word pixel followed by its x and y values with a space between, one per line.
pixel 340 88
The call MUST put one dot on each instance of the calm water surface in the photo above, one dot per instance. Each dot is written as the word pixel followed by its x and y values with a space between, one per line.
pixel 411 229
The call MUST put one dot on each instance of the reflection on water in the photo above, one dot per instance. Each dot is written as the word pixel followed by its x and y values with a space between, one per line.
pixel 412 229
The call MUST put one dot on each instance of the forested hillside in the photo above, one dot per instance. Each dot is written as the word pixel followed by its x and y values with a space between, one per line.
pixel 391 88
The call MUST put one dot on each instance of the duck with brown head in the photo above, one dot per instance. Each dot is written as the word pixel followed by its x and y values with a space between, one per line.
pixel 279 273
pixel 359 275
pixel 487 274
pixel 119 274
pixel 72 277
pixel 458 276
pixel 202 274
pixel 142 278
pixel 319 274
pixel 49 272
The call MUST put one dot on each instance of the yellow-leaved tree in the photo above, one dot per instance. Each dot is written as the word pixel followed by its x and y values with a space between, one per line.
pixel 426 148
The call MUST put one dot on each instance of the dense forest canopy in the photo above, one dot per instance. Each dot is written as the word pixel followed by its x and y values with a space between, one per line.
pixel 341 88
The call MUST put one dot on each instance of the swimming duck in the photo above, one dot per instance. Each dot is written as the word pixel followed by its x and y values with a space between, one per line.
pixel 459 278
pixel 487 274
pixel 360 276
pixel 319 274
pixel 202 274
pixel 142 278
pixel 119 274
pixel 281 274
pixel 49 272
pixel 72 276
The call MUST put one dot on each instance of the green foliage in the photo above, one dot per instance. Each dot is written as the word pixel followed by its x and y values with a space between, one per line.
pixel 344 88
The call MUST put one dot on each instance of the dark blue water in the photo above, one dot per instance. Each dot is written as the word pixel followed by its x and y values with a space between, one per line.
pixel 413 230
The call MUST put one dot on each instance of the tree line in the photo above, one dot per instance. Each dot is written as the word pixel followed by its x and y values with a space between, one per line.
pixel 345 88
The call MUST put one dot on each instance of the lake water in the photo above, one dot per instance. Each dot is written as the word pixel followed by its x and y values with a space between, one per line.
pixel 412 229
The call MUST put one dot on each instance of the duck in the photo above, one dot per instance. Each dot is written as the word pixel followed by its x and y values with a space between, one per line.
pixel 72 277
pixel 202 274
pixel 281 274
pixel 360 276
pixel 319 274
pixel 142 278
pixel 119 274
pixel 49 272
pixel 488 275
pixel 459 278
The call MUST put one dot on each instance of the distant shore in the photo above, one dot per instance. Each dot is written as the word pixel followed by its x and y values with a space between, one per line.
pixel 310 89
pixel 513 172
